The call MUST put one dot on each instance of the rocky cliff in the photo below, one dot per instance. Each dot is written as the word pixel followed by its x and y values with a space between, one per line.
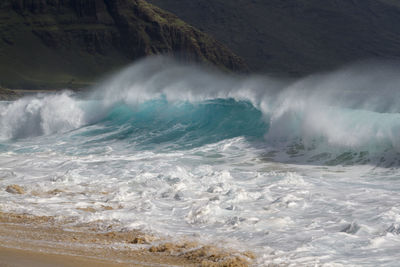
pixel 69 43
pixel 297 36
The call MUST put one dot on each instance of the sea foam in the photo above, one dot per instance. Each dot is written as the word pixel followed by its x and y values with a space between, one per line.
pixel 303 172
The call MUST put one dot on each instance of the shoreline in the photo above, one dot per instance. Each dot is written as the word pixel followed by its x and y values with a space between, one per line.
pixel 27 240
pixel 14 94
pixel 11 257
pixel 43 239
pixel 7 94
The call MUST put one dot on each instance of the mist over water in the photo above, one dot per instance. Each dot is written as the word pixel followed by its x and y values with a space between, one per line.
pixel 185 150
pixel 355 109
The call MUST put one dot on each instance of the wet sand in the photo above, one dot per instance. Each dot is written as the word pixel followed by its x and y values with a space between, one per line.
pixel 42 241
pixel 23 258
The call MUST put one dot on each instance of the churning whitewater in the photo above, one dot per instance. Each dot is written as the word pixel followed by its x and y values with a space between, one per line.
pixel 301 171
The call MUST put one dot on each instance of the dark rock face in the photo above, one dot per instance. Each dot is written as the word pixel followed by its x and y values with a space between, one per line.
pixel 56 43
pixel 297 36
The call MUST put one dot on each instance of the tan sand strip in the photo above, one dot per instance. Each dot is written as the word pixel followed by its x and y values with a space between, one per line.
pixel 43 240
pixel 23 258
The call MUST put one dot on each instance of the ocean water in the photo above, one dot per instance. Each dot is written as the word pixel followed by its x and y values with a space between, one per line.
pixel 302 172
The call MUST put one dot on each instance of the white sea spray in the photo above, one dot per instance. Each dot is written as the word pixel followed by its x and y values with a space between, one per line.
pixel 303 172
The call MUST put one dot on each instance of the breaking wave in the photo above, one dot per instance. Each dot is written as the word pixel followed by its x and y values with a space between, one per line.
pixel 347 116
pixel 248 162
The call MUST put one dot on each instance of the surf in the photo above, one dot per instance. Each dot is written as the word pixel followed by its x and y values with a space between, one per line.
pixel 289 167
pixel 350 116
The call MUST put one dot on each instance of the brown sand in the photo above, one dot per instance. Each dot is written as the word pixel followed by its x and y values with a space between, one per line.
pixel 23 258
pixel 42 241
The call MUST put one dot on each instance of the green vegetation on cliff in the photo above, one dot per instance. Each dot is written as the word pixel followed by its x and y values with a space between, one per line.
pixel 70 43
pixel 297 36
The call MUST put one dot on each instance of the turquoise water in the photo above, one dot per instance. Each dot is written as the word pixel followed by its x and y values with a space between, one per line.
pixel 157 123
pixel 302 172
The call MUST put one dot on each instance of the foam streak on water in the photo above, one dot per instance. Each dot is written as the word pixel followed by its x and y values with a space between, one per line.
pixel 301 172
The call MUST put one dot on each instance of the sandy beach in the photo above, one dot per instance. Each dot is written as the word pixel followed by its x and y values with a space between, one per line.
pixel 42 241
pixel 21 258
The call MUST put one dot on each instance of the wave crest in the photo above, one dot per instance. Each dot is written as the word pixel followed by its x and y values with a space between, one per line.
pixel 40 115
pixel 355 109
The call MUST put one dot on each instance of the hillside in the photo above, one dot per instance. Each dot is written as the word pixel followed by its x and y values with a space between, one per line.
pixel 69 43
pixel 297 36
